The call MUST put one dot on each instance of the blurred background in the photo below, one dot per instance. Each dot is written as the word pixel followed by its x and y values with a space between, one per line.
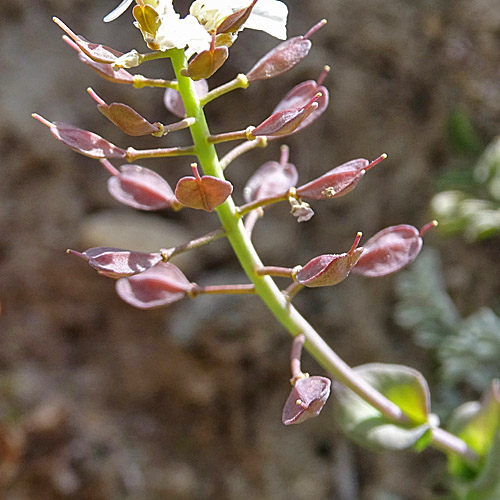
pixel 99 401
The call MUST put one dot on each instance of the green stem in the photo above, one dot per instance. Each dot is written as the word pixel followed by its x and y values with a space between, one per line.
pixel 265 287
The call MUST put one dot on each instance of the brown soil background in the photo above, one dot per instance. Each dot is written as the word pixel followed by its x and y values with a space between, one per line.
pixel 99 401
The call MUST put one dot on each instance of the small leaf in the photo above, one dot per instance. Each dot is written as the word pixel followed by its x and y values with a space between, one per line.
pixel 173 101
pixel 206 63
pixel 116 262
pixel 141 188
pixel 203 193
pixel 328 270
pixel 476 423
pixel 95 51
pixel 306 400
pixel 367 426
pixel 160 285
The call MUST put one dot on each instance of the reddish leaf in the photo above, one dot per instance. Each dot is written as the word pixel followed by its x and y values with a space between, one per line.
pixel 203 193
pixel 328 269
pixel 116 262
pixel 95 51
pixel 390 250
pixel 160 285
pixel 306 400
pixel 173 102
pixel 140 188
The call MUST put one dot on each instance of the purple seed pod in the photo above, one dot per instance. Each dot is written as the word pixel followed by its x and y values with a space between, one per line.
pixel 390 250
pixel 103 69
pixel 338 181
pixel 140 188
pixel 302 94
pixel 125 118
pixel 207 62
pixel 116 262
pixel 287 121
pixel 173 102
pixel 306 399
pixel 158 286
pixel 284 56
pixel 82 141
pixel 202 192
pixel 236 20
pixel 271 179
pixel 328 269
pixel 95 51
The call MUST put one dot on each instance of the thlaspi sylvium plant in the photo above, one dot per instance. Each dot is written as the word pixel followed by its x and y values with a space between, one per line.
pixel 380 406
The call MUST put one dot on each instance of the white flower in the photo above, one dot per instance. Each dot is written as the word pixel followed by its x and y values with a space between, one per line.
pixel 267 15
pixel 128 60
pixel 193 31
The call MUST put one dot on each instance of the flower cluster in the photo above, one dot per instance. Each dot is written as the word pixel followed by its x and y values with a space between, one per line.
pixel 197 46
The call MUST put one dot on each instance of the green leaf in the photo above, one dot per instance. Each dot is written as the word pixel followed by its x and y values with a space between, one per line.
pixel 366 425
pixel 476 423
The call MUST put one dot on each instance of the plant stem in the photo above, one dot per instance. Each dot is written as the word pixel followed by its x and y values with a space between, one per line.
pixel 168 253
pixel 250 261
pixel 225 289
pixel 240 82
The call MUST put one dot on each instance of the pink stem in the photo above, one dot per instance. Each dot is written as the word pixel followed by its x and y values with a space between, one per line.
pixel 315 28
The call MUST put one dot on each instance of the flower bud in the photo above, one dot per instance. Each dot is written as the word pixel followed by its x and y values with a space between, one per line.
pixel 125 118
pixel 140 188
pixel 82 141
pixel 159 285
pixel 173 102
pixel 285 122
pixel 271 179
pixel 302 93
pixel 116 262
pixel 95 51
pixel 338 181
pixel 306 400
pixel 390 250
pixel 283 57
pixel 202 192
pixel 328 269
